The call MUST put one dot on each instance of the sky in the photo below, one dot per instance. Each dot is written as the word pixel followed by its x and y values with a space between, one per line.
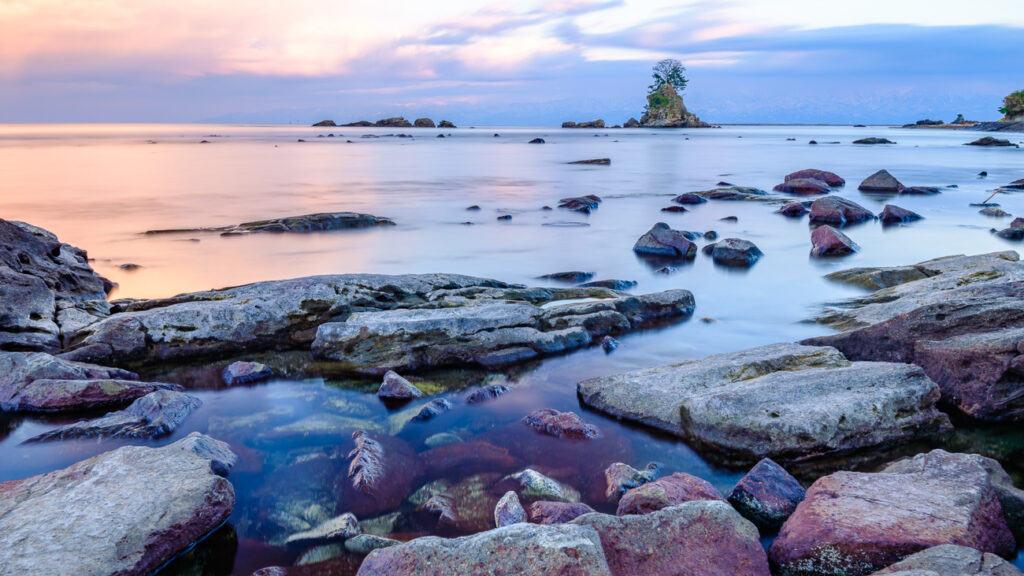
pixel 506 62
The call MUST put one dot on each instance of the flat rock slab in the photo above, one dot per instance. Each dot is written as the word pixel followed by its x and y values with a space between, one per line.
pixel 516 550
pixel 154 415
pixel 321 222
pixel 704 537
pixel 783 401
pixel 952 560
pixel 857 523
pixel 127 511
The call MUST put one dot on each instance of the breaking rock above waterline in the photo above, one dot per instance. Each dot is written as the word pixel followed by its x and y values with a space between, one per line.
pixel 881 182
pixel 830 178
pixel 662 240
pixel 826 241
pixel 322 222
pixel 838 211
pixel 127 511
pixel 783 401
pixel 803 186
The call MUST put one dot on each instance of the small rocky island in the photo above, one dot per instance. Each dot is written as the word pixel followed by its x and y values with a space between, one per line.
pixel 1012 121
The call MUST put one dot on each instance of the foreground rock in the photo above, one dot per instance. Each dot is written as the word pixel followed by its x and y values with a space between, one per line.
pixel 662 240
pixel 782 401
pixel 545 512
pixel 767 495
pixel 826 241
pixel 509 510
pixel 154 415
pixel 892 214
pixel 838 211
pixel 394 387
pixel 382 471
pixel 830 178
pixel 696 538
pixel 734 252
pixel 881 182
pixel 322 222
pixel 621 478
pixel 664 492
pixel 518 549
pixel 856 523
pixel 952 560
pixel 551 422
pixel 127 511
pixel 803 186
pixel 336 529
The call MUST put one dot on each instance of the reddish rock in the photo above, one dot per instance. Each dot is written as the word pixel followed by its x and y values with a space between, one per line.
pixel 855 523
pixel 767 495
pixel 664 492
pixel 803 186
pixel 829 178
pixel 382 473
pixel 546 512
pixel 895 215
pixel 661 240
pixel 561 424
pixel 793 210
pixel 467 458
pixel 466 507
pixel 838 211
pixel 881 182
pixel 827 241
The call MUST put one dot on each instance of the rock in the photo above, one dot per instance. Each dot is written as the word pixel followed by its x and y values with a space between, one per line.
pixel 397 388
pixel 631 123
pixel 990 141
pixel 382 472
pixel 676 209
pixel 781 401
pixel 609 344
pixel 325 221
pixel 661 240
pixel 582 204
pixel 536 486
pixel 803 186
pixel 466 507
pixel 705 537
pixel 620 478
pixel 793 210
pixel 509 511
pixel 221 458
pixel 920 190
pixel 515 550
pixel 340 528
pixel 994 212
pixel 689 198
pixel 734 252
pixel 544 512
pixel 325 123
pixel 767 495
pixel 396 122
pixel 561 424
pixel 574 277
pixel 423 123
pixel 881 182
pixel 950 271
pixel 595 161
pixel 489 392
pixel 856 523
pixel 506 217
pixel 829 178
pixel 245 373
pixel 433 409
pixel 127 511
pixel 366 543
pixel 154 415
pixel 441 439
pixel 812 142
pixel 360 123
pixel 1016 185
pixel 665 109
pixel 466 457
pixel 892 214
pixel 446 124
pixel 873 141
pixel 732 193
pixel 664 492
pixel 952 560
pixel 537 141
pixel 827 241
pixel 473 208
pixel 610 284
pixel 39 382
pixel 838 211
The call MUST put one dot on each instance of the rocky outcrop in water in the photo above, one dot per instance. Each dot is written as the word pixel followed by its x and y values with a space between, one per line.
pixel 990 142
pixel 665 109
pixel 830 178
pixel 826 241
pixel 734 252
pixel 881 182
pixel 322 222
pixel 127 511
pixel 590 124
pixel 154 415
pixel 838 211
pixel 662 240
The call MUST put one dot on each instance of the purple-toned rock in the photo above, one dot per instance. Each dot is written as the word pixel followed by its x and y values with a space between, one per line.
pixel 838 211
pixel 509 511
pixel 485 393
pixel 561 424
pixel 546 512
pixel 664 492
pixel 855 523
pixel 245 373
pixel 951 560
pixel 895 215
pixel 433 409
pixel 830 178
pixel 467 458
pixel 621 478
pixel 661 240
pixel 466 507
pixel 154 415
pixel 827 241
pixel 767 495
pixel 803 186
pixel 793 210
pixel 394 387
pixel 696 538
pixel 881 182
pixel 689 198
pixel 920 190
pixel 609 344
pixel 582 204
pixel 734 252
pixel 340 528
pixel 382 472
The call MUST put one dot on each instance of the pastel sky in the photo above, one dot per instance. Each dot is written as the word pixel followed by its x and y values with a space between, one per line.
pixel 504 62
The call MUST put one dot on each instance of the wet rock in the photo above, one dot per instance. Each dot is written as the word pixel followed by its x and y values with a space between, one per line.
pixel 661 240
pixel 441 439
pixel 664 492
pixel 610 284
pixel 621 478
pixel 803 186
pixel 366 543
pixel 793 210
pixel 675 209
pixel 609 344
pixel 950 272
pixel 829 178
pixel 702 537
pixel 509 511
pixel 873 141
pixel 473 208
pixel 154 415
pixel 780 401
pixel 543 512
pixel 994 212
pixel 689 198
pixel 895 215
pixel 322 222
pixel 446 124
pixel 485 393
pixel 574 277
pixel 466 457
pixel 506 217
pixel 767 495
pixel 340 528
pixel 535 486
pixel 734 252
pixel 561 424
pixel 827 241
pixel 516 550
pixel 465 507
pixel 381 473
pixel 881 182
pixel 433 409
pixel 245 373
pixel 838 211
pixel 595 161
pixel 920 190
pixel 581 204
pixel 733 193
pixel 127 511
pixel 537 141
pixel 856 523
pixel 952 560
pixel 397 388
pixel 221 458
pixel 990 141
pixel 423 123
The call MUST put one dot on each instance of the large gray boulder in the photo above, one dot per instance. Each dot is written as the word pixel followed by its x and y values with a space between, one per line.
pixel 125 512
pixel 951 560
pixel 516 550
pixel 782 401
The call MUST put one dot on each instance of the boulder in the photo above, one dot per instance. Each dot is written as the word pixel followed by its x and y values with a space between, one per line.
pixel 689 198
pixel 767 495
pixel 488 392
pixel 675 209
pixel 827 241
pixel 704 538
pixel 339 528
pixel 581 204
pixel 127 511
pixel 830 178
pixel 446 124
pixel 734 252
pixel 621 478
pixel 382 471
pixel 661 240
pixel 509 511
pixel 857 523
pixel 782 401
pixel 535 486
pixel 895 215
pixel 544 512
pixel 838 211
pixel 994 212
pixel 881 182
pixel 574 277
pixel 873 141
pixel 423 123
pixel 990 141
pixel 516 550
pixel 793 210
pixel 551 422
pixel 664 492
pixel 803 186
pixel 536 141
pixel 245 373
pixel 631 123
pixel 394 387
pixel 951 560
pixel 154 415
pixel 322 222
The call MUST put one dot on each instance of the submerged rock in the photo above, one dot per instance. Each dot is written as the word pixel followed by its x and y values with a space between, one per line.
pixel 994 212
pixel 336 529
pixel 382 472
pixel 366 543
pixel 881 182
pixel 990 141
pixel 793 210
pixel 509 511
pixel 154 415
pixel 920 190
pixel 621 478
pixel 838 211
pixel 827 241
pixel 664 492
pixel 544 512
pixel 610 284
pixel 595 161
pixel 732 193
pixel 767 495
pixel 485 393
pixel 325 221
pixel 433 409
pixel 661 240
pixel 561 424
pixel 689 198
pixel 952 560
pixel 127 511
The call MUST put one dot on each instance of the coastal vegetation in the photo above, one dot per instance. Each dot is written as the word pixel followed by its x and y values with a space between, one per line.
pixel 1013 106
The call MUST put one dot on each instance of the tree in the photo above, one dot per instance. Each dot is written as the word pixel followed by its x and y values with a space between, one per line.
pixel 668 71
pixel 1013 105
